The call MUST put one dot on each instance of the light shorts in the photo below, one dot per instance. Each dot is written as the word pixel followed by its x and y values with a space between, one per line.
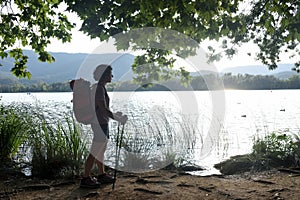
pixel 101 132
pixel 100 141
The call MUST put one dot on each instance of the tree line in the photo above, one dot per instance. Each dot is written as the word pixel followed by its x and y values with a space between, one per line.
pixel 204 82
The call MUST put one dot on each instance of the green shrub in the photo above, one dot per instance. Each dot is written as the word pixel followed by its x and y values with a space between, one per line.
pixel 279 149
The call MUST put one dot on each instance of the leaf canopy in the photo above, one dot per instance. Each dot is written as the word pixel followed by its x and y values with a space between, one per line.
pixel 274 25
pixel 31 23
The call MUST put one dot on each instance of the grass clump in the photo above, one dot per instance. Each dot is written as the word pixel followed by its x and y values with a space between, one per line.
pixel 58 149
pixel 49 148
pixel 14 130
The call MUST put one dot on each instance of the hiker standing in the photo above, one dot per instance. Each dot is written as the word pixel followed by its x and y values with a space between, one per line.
pixel 103 75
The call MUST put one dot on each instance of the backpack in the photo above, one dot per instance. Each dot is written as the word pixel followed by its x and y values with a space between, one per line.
pixel 82 105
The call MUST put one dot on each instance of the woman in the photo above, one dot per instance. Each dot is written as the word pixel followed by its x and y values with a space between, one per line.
pixel 102 74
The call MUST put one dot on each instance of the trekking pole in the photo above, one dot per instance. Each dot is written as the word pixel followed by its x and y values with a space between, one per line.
pixel 117 145
pixel 118 151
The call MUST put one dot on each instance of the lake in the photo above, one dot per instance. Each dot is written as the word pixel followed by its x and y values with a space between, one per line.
pixel 232 118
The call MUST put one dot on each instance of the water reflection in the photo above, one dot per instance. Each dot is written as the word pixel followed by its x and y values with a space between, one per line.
pixel 263 111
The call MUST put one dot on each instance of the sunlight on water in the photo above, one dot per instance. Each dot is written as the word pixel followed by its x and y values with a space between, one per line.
pixel 248 115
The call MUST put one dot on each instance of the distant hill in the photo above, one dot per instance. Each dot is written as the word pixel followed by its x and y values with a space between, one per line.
pixel 203 72
pixel 66 65
pixel 283 71
pixel 286 74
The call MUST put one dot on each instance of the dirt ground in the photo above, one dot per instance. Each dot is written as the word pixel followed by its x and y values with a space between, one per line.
pixel 162 184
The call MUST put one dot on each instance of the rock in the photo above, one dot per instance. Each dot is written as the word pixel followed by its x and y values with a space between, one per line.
pixel 189 168
pixel 36 187
pixel 235 165
pixel 92 195
pixel 147 191
pixel 184 185
pixel 263 181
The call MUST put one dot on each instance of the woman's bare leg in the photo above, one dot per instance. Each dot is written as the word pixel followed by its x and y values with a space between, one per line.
pixel 89 165
pixel 101 167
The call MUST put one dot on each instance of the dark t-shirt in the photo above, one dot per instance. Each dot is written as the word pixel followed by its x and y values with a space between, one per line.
pixel 101 95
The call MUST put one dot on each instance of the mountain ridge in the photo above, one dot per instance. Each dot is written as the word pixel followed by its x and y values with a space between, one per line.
pixel 68 65
pixel 258 69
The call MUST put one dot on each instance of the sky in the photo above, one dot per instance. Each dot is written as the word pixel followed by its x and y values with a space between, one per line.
pixel 82 43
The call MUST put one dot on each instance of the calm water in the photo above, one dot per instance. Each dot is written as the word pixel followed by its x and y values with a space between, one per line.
pixel 247 114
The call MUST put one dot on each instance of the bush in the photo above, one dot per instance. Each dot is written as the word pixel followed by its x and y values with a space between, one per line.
pixel 276 150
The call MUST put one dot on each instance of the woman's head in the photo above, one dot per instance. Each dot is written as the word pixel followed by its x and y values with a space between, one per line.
pixel 72 83
pixel 103 73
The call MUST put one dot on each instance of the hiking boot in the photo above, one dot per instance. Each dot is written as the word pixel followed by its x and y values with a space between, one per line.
pixel 105 179
pixel 89 182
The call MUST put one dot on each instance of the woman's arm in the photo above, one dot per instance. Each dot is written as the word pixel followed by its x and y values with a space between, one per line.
pixel 116 116
pixel 100 104
pixel 104 109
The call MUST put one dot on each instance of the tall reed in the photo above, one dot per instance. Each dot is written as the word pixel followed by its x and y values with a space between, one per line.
pixel 14 130
pixel 58 148
pixel 155 140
